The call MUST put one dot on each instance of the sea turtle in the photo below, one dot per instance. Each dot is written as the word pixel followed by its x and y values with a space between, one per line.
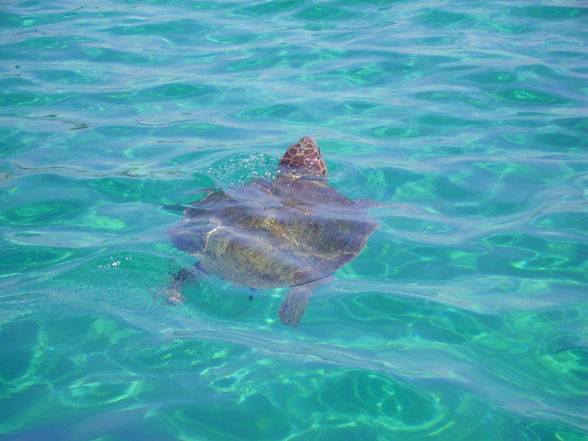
pixel 294 231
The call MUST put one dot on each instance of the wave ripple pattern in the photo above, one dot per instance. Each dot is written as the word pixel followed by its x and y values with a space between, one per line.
pixel 465 318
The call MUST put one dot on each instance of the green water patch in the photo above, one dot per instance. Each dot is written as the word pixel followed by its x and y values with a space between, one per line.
pixel 221 37
pixel 574 56
pixel 528 256
pixel 131 277
pixel 106 55
pixel 372 74
pixel 346 400
pixel 325 12
pixel 44 213
pixel 502 204
pixel 35 207
pixel 394 132
pixel 420 188
pixel 9 19
pixel 570 221
pixel 16 142
pixel 16 260
pixel 453 97
pixel 97 391
pixel 73 76
pixel 19 341
pixel 21 408
pixel 570 365
pixel 524 175
pixel 408 262
pixel 267 9
pixel 282 111
pixel 369 74
pixel 46 43
pixel 301 59
pixel 286 112
pixel 191 130
pixel 427 264
pixel 16 83
pixel 469 327
pixel 184 26
pixel 50 368
pixel 376 309
pixel 53 179
pixel 120 132
pixel 95 221
pixel 198 154
pixel 444 123
pixel 358 107
pixel 148 191
pixel 348 148
pixel 530 72
pixel 255 416
pixel 175 91
pixel 490 77
pixel 554 430
pixel 433 330
pixel 532 97
pixel 47 48
pixel 559 141
pixel 449 190
pixel 365 266
pixel 253 63
pixel 453 189
pixel 177 356
pixel 148 102
pixel 444 18
pixel 351 400
pixel 398 223
pixel 555 364
pixel 505 25
pixel 549 12
pixel 438 40
pixel 84 330
pixel 31 99
pixel 361 393
pixel 577 124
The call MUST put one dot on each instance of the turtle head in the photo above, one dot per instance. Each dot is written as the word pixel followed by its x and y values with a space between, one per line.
pixel 304 159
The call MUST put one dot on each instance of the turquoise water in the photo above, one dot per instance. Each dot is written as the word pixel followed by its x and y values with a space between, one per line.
pixel 465 318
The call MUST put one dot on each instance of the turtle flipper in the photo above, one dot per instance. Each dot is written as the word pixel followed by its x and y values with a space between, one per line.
pixel 293 307
pixel 173 292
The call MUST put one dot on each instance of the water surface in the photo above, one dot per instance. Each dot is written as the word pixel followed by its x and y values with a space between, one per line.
pixel 463 319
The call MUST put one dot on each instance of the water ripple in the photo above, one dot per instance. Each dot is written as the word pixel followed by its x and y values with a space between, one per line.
pixel 464 316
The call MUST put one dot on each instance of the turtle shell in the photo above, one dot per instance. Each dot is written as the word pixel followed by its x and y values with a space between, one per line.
pixel 291 231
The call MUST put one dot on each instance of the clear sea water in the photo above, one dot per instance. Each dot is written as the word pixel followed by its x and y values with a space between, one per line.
pixel 465 318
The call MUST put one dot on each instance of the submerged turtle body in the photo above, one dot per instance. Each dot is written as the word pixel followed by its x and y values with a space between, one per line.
pixel 293 231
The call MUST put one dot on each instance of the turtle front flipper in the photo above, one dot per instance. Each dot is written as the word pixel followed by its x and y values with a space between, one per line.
pixel 293 307
pixel 173 292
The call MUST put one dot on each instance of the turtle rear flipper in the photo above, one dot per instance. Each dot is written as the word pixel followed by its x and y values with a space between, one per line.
pixel 293 307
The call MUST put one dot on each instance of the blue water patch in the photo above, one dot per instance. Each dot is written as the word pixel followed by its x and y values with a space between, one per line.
pixel 464 318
